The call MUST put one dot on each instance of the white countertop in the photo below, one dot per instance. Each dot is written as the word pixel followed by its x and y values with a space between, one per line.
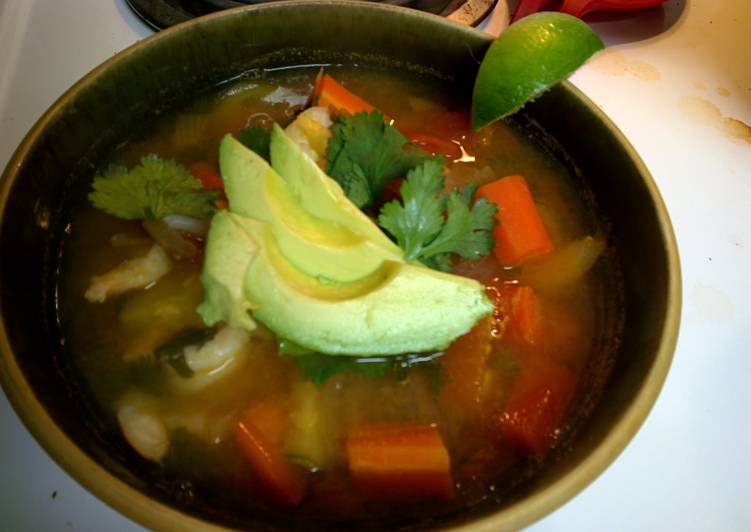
pixel 682 95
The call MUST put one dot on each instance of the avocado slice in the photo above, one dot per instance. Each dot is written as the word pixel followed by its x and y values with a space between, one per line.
pixel 399 308
pixel 229 250
pixel 321 248
pixel 318 193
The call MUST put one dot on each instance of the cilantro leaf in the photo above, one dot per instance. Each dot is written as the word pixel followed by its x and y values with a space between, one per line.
pixel 468 227
pixel 419 219
pixel 318 368
pixel 153 189
pixel 430 225
pixel 365 153
pixel 257 139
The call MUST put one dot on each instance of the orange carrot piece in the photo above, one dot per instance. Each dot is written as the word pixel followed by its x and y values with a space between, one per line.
pixel 400 462
pixel 208 174
pixel 434 144
pixel 330 93
pixel 525 325
pixel 464 363
pixel 278 476
pixel 270 418
pixel 537 405
pixel 520 233
pixel 537 327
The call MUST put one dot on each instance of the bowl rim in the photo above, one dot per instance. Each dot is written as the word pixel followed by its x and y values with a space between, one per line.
pixel 154 514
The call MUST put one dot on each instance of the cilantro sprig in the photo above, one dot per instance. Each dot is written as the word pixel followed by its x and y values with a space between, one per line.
pixel 257 139
pixel 319 368
pixel 365 153
pixel 153 189
pixel 429 225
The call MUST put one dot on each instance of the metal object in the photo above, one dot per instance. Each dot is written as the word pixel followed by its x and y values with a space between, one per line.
pixel 161 14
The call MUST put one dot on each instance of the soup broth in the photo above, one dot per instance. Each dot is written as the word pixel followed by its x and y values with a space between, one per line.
pixel 128 349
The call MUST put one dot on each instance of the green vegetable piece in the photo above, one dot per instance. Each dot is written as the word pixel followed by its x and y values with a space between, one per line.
pixel 257 139
pixel 366 153
pixel 153 189
pixel 320 195
pixel 527 59
pixel 420 218
pixel 229 250
pixel 319 368
pixel 319 247
pixel 429 225
pixel 393 309
pixel 398 308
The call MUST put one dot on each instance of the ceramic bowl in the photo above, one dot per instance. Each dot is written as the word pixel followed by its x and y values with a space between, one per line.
pixel 78 133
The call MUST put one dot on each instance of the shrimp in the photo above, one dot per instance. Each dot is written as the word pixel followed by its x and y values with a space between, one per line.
pixel 311 131
pixel 142 425
pixel 129 275
pixel 212 361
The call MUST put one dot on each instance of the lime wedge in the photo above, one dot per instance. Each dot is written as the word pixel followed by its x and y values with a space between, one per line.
pixel 527 59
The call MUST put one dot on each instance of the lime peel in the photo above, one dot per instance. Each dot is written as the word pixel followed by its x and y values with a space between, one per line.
pixel 526 60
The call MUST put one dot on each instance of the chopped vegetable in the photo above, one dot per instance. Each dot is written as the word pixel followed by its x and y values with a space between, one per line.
pixel 537 327
pixel 425 232
pixel 566 266
pixel 278 476
pixel 309 434
pixel 171 240
pixel 149 318
pixel 400 461
pixel 330 93
pixel 366 153
pixel 258 139
pixel 151 190
pixel 270 418
pixel 208 174
pixel 520 233
pixel 465 363
pixel 319 368
pixel 537 404
pixel 525 323
pixel 316 132
pixel 434 144
pixel 311 132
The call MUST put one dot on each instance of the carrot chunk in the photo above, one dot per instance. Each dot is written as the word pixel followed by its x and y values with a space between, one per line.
pixel 520 234
pixel 525 326
pixel 434 144
pixel 537 405
pixel 464 363
pixel 330 93
pixel 208 175
pixel 536 327
pixel 400 462
pixel 277 475
pixel 270 418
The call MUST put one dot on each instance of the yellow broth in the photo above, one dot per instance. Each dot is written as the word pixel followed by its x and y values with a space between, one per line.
pixel 111 341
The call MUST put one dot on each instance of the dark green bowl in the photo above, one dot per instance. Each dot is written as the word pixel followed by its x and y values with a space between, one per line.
pixel 83 127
